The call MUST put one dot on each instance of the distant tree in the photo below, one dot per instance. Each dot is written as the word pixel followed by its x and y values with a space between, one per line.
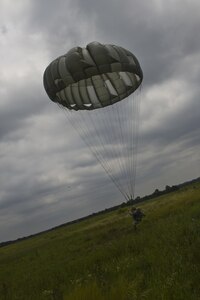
pixel 130 201
pixel 167 188
pixel 137 199
pixel 156 192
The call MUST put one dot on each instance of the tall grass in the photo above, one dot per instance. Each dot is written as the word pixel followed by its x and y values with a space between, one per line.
pixel 104 258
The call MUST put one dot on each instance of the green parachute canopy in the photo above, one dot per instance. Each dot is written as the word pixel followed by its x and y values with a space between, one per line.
pixel 92 77
pixel 89 84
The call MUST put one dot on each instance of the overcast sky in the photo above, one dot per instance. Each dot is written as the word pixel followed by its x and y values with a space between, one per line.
pixel 48 175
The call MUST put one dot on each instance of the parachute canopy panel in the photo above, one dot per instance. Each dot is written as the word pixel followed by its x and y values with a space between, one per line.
pixel 92 77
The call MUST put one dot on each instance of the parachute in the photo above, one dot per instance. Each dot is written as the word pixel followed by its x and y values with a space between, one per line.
pixel 90 84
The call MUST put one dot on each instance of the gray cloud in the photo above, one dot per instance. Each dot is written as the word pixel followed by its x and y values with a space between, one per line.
pixel 48 175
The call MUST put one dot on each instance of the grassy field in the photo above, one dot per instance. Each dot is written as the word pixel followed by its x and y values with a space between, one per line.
pixel 103 258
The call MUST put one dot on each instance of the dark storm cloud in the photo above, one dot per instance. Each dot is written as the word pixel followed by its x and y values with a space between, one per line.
pixel 48 176
pixel 3 29
pixel 160 33
pixel 20 103
pixel 62 24
pixel 184 123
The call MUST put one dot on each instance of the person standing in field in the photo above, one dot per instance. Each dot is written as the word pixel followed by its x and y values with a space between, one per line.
pixel 137 215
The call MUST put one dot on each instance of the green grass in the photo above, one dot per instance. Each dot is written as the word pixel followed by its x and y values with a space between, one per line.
pixel 103 258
